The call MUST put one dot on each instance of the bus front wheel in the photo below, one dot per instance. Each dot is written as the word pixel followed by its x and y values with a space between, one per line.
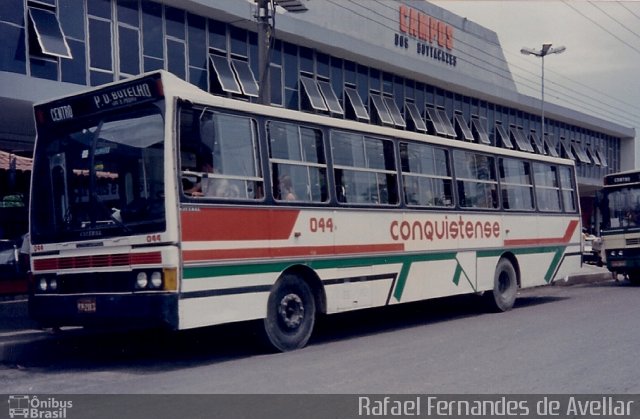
pixel 291 314
pixel 505 287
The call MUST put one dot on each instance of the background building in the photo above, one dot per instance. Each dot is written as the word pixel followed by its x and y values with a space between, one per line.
pixel 397 63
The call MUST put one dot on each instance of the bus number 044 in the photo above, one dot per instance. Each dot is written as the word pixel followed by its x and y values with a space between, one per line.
pixel 321 225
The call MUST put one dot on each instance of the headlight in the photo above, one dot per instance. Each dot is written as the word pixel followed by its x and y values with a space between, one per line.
pixel 43 285
pixel 141 280
pixel 156 279
pixel 53 284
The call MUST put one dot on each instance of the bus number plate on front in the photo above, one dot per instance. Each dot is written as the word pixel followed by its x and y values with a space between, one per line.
pixel 87 305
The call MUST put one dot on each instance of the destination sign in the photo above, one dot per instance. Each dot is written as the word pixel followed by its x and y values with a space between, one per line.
pixel 128 94
pixel 622 179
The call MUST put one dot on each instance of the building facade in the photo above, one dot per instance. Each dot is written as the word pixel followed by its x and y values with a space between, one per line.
pixel 407 64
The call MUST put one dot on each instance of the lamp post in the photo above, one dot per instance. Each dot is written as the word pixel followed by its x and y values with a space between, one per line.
pixel 546 50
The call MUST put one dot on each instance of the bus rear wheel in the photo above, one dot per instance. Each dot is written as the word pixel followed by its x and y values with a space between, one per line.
pixel 505 287
pixel 291 314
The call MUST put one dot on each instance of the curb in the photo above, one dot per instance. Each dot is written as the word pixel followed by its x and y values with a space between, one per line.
pixel 26 345
pixel 590 278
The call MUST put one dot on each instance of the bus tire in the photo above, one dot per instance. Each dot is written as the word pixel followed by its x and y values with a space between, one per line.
pixel 505 287
pixel 291 314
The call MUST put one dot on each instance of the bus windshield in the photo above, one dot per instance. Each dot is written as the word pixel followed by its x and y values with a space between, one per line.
pixel 99 177
pixel 621 208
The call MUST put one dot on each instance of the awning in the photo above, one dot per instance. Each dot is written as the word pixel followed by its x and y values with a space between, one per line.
pixel 10 161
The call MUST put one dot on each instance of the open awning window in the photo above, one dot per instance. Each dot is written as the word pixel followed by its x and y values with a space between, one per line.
pixel 504 137
pixel 47 28
pixel 537 142
pixel 313 94
pixel 593 155
pixel 355 101
pixel 551 147
pixel 330 97
pixel 394 111
pixel 224 74
pixel 446 123
pixel 434 121
pixel 479 130
pixel 521 140
pixel 565 145
pixel 245 76
pixel 381 109
pixel 580 152
pixel 603 157
pixel 462 129
pixel 414 117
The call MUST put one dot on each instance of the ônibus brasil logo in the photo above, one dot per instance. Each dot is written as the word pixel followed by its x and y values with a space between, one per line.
pixel 34 407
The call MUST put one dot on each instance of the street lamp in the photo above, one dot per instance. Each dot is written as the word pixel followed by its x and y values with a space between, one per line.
pixel 546 50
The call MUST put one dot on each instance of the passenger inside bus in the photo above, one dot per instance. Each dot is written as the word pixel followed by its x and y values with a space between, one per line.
pixel 209 186
pixel 286 188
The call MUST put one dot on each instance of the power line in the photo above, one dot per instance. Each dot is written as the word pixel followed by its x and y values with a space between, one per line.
pixel 614 19
pixel 590 88
pixel 630 11
pixel 595 22
pixel 490 66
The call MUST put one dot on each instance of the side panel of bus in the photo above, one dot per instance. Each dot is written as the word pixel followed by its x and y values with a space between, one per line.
pixel 362 258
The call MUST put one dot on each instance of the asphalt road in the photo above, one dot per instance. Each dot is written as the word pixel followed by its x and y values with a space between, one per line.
pixel 578 339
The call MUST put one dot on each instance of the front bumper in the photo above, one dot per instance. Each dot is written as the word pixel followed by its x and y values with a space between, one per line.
pixel 117 310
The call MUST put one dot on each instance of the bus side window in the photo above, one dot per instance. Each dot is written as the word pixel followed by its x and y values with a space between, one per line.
pixel 341 191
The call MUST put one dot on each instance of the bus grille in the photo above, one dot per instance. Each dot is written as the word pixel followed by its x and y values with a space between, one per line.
pixel 97 261
pixel 633 242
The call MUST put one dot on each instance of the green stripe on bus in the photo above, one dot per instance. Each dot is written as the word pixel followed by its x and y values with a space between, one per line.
pixel 355 262
pixel 402 281
pixel 457 273
pixel 554 264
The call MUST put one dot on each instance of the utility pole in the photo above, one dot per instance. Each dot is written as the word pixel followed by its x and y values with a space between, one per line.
pixel 264 41
pixel 264 44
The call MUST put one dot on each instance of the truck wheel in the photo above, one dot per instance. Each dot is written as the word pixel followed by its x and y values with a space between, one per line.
pixel 291 314
pixel 505 287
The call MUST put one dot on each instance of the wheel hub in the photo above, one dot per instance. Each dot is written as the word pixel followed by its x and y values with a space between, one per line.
pixel 291 310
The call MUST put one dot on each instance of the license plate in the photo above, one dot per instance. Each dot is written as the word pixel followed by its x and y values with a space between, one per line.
pixel 87 305
pixel 618 263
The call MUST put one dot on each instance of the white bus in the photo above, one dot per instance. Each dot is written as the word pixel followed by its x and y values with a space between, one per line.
pixel 620 227
pixel 154 202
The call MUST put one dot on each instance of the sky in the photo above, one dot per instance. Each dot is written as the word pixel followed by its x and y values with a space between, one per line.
pixel 598 74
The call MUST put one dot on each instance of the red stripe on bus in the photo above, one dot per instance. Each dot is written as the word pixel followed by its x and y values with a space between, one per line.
pixel 259 253
pixel 571 228
pixel 231 224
